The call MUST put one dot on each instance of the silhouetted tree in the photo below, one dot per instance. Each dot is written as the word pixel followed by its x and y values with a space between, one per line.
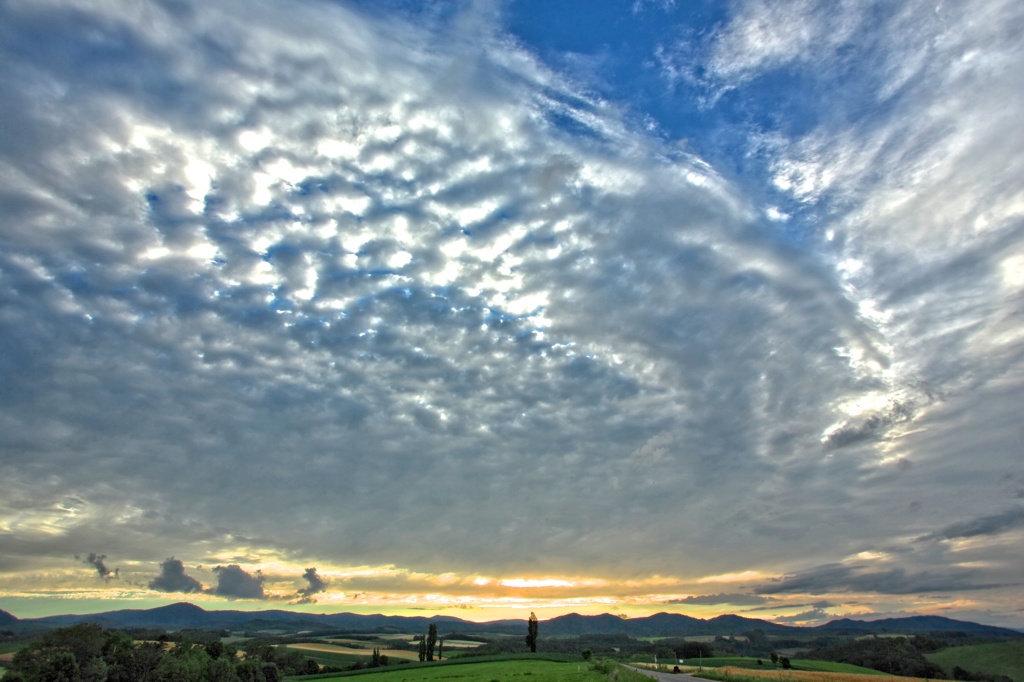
pixel 431 641
pixel 423 650
pixel 531 632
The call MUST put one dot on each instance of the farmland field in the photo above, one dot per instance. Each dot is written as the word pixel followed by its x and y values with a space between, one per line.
pixel 531 670
pixel 1005 658
pixel 349 653
pixel 731 674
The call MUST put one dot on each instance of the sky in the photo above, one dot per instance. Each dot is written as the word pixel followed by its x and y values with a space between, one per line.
pixel 480 308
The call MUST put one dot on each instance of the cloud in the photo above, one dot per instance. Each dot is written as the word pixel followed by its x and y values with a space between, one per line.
pixel 173 578
pixel 234 582
pixel 474 263
pixel 838 578
pixel 316 585
pixel 97 561
pixel 806 618
pixel 286 247
pixel 871 427
pixel 993 524
pixel 733 599
pixel 640 6
pixel 773 605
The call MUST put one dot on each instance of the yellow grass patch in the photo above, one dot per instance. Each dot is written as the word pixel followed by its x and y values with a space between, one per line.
pixel 802 675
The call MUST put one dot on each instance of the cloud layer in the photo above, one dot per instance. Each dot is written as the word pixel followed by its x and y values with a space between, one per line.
pixel 286 283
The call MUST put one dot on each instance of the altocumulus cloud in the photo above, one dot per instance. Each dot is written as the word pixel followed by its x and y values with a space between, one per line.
pixel 287 256
pixel 357 255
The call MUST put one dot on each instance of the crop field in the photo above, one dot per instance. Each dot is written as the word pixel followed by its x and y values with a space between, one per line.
pixel 1005 658
pixel 732 674
pixel 506 671
pixel 353 654
pixel 369 644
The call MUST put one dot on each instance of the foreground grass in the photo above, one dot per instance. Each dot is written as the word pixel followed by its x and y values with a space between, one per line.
pixel 523 670
pixel 1004 658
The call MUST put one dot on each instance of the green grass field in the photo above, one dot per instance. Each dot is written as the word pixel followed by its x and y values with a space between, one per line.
pixel 766 664
pixel 523 670
pixel 833 667
pixel 1005 658
pixel 331 658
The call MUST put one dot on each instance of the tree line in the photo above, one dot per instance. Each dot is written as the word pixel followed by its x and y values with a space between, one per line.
pixel 88 653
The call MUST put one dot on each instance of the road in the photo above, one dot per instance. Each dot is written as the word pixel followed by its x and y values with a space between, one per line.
pixel 667 677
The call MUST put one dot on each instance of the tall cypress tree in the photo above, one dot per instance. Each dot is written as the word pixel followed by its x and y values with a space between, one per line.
pixel 531 632
pixel 431 641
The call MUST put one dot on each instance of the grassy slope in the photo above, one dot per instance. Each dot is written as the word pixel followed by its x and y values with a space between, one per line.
pixel 1005 658
pixel 798 664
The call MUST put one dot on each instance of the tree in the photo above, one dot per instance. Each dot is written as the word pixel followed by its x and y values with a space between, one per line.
pixel 531 633
pixel 221 670
pixel 693 650
pixel 440 648
pixel 423 650
pixel 215 649
pixel 431 641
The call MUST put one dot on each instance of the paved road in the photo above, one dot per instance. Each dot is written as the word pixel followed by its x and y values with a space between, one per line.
pixel 668 677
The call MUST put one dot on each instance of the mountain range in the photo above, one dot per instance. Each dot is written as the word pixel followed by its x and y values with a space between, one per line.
pixel 186 615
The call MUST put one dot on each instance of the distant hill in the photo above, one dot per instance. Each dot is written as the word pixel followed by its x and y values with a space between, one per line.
pixel 185 615
pixel 913 625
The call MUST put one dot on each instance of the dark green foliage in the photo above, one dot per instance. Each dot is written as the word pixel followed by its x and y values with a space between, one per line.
pixel 961 674
pixel 686 650
pixel 378 659
pixel 893 655
pixel 757 640
pixel 785 662
pixel 87 653
pixel 423 650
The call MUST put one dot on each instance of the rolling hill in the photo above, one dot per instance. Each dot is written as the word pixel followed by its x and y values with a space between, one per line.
pixel 186 615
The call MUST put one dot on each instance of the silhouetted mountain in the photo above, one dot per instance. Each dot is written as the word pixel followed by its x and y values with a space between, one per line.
pixel 666 625
pixel 575 624
pixel 913 625
pixel 6 618
pixel 185 615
